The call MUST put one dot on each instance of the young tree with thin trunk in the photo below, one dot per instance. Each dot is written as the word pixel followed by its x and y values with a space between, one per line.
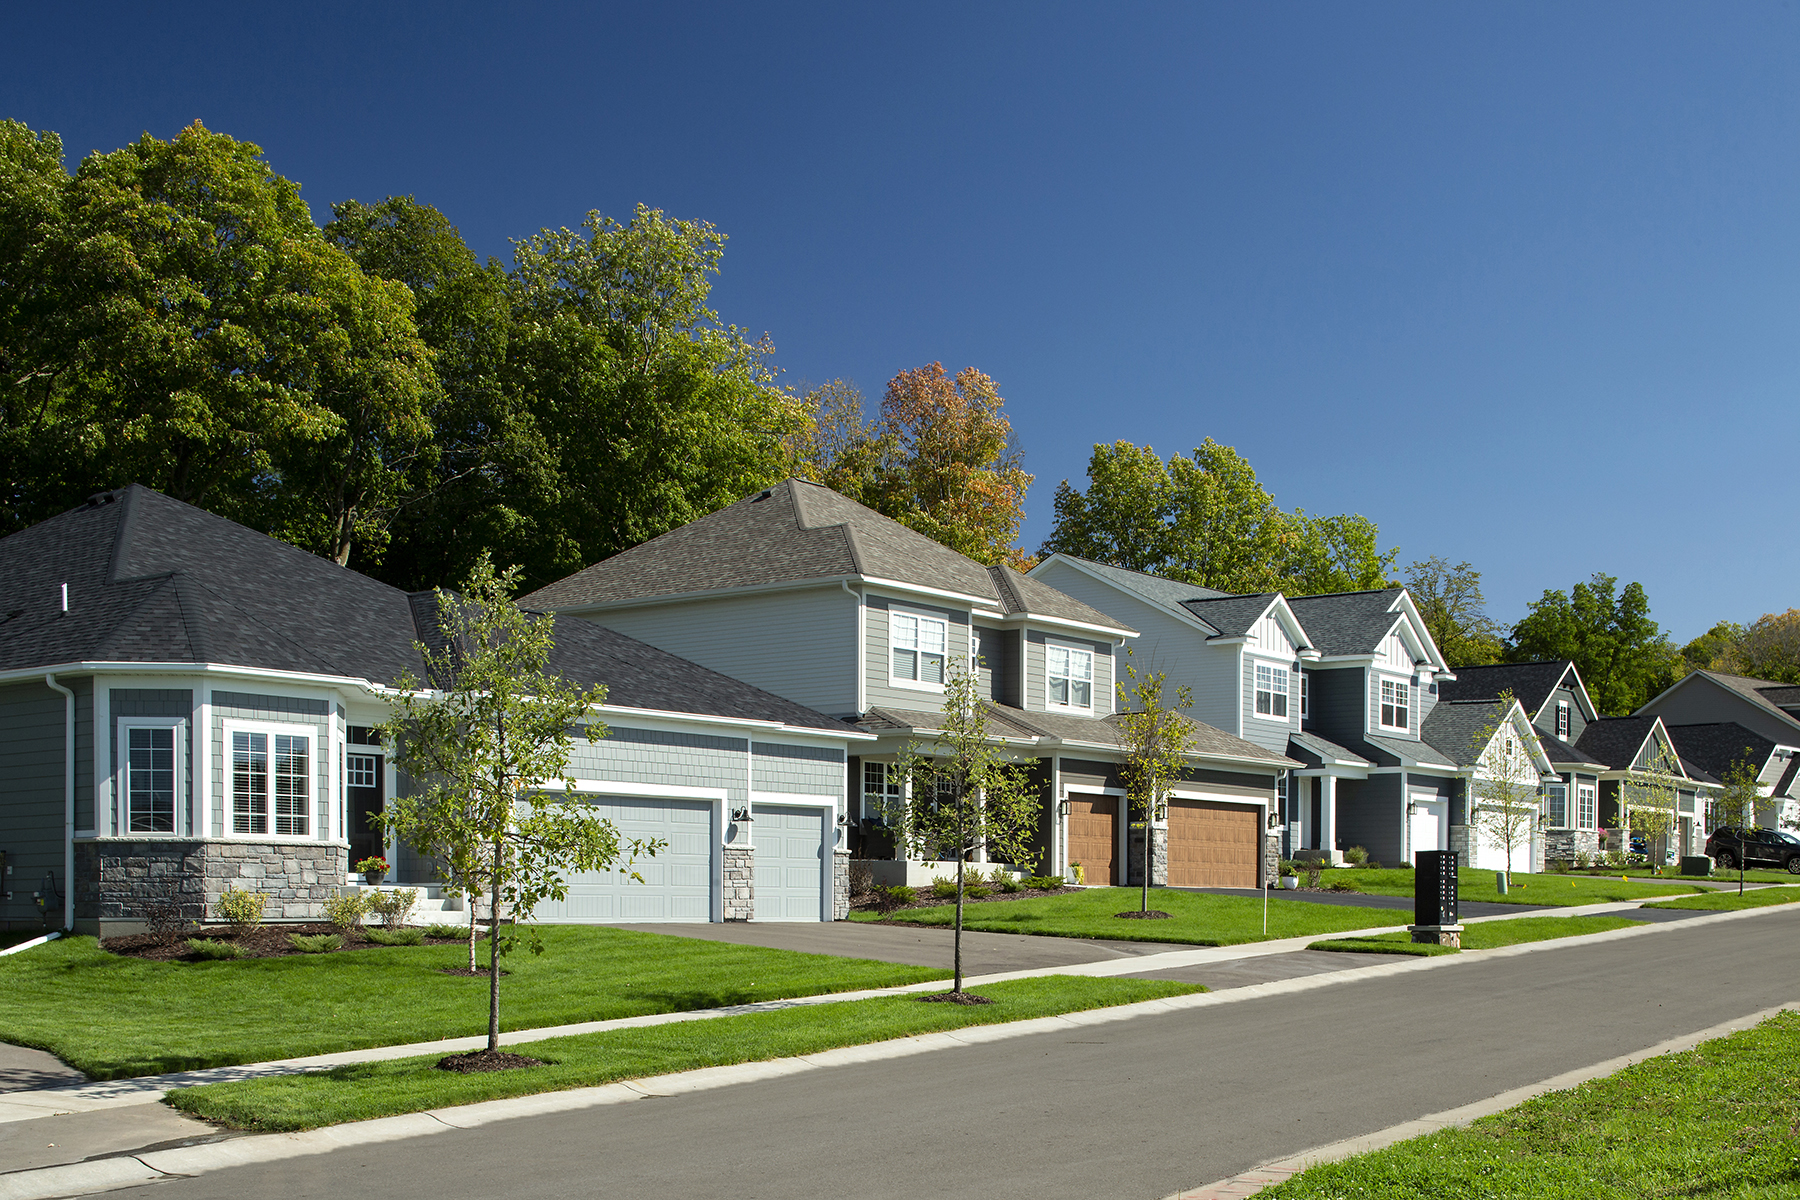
pixel 961 793
pixel 487 736
pixel 1736 806
pixel 1504 787
pixel 1649 796
pixel 1157 740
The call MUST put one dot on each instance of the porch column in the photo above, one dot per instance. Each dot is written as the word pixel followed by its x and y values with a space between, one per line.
pixel 1328 817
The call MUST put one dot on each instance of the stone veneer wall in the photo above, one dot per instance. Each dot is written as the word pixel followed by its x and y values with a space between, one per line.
pixel 740 883
pixel 1562 845
pixel 840 885
pixel 1271 859
pixel 116 877
pixel 1159 857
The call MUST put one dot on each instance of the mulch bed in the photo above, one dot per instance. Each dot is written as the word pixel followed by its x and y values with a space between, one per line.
pixel 265 941
pixel 485 1060
pixel 927 900
pixel 954 998
pixel 1152 915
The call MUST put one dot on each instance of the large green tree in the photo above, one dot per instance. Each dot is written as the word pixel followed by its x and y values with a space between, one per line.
pixel 1608 633
pixel 1449 599
pixel 1768 649
pixel 1206 520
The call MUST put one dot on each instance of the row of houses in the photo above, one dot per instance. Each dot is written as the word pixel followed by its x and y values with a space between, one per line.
pixel 187 705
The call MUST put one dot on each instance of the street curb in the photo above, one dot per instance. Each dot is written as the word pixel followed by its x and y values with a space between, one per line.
pixel 1279 1170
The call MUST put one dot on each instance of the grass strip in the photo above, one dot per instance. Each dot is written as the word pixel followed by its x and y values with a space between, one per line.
pixel 382 1089
pixel 1484 935
pixel 1479 886
pixel 1714 1121
pixel 115 1017
pixel 1731 901
pixel 1194 919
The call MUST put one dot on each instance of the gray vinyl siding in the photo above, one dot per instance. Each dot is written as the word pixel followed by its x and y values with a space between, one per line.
pixel 126 703
pixel 1374 725
pixel 1267 732
pixel 1700 701
pixel 1164 643
pixel 1337 704
pixel 1372 814
pixel 878 656
pixel 31 792
pixel 800 645
pixel 1000 665
pixel 655 756
pixel 1546 719
pixel 801 770
pixel 84 752
pixel 1232 783
pixel 1424 700
pixel 1043 835
pixel 1037 696
pixel 1082 773
pixel 287 710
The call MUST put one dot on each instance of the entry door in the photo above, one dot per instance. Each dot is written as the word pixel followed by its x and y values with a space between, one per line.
pixel 365 789
pixel 1094 837
pixel 1427 827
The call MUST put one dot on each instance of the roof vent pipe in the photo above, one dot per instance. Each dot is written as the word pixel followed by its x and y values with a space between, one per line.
pixel 65 598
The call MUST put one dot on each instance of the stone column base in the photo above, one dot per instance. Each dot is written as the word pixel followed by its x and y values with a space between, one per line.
pixel 840 885
pixel 739 883
pixel 1437 935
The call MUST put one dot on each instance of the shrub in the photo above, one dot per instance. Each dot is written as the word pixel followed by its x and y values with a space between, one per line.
pixel 973 890
pixel 1341 885
pixel 393 906
pixel 1356 856
pixel 395 937
pixel 163 916
pixel 317 943
pixel 447 932
pixel 1583 860
pixel 1007 882
pixel 243 910
pixel 862 877
pixel 208 950
pixel 1314 869
pixel 1044 883
pixel 346 910
pixel 898 896
pixel 943 889
pixel 1615 858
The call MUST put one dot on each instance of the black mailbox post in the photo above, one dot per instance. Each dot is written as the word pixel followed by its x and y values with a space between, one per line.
pixel 1435 917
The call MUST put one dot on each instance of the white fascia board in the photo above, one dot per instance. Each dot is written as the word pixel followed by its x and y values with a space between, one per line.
pixel 1436 656
pixel 1334 771
pixel 918 589
pixel 1349 660
pixel 1291 622
pixel 1179 613
pixel 1242 639
pixel 306 678
pixel 1422 769
pixel 1114 633
pixel 642 716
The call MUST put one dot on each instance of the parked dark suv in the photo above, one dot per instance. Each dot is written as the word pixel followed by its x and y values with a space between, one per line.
pixel 1771 847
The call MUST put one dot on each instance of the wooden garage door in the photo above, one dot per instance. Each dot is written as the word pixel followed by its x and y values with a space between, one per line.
pixel 1093 837
pixel 1212 844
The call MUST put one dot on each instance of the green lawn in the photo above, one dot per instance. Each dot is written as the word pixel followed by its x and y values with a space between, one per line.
pixel 1195 919
pixel 114 1017
pixel 1731 901
pixel 406 1085
pixel 1714 1122
pixel 1562 891
pixel 1484 935
pixel 1753 875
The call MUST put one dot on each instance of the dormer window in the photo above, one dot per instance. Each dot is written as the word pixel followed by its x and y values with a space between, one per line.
pixel 1069 677
pixel 919 644
pixel 1271 692
pixel 1396 704
pixel 1562 719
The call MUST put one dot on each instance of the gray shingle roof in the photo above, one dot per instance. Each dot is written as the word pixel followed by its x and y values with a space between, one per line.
pixel 791 533
pixel 1453 725
pixel 1169 593
pixel 1614 741
pixel 1715 748
pixel 1560 753
pixel 1232 616
pixel 1316 751
pixel 1388 752
pixel 1760 692
pixel 1347 622
pixel 1006 721
pixel 1530 683
pixel 154 580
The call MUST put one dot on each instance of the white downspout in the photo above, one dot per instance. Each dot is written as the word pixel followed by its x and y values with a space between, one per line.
pixel 68 800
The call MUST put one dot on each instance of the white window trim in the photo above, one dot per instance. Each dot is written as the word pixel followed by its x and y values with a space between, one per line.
pixel 1568 807
pixel 1073 648
pixel 1305 696
pixel 1564 720
pixel 1593 791
pixel 1255 688
pixel 917 685
pixel 1397 683
pixel 183 820
pixel 273 729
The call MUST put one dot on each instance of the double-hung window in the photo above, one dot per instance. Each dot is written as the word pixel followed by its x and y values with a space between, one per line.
pixel 1305 696
pixel 1271 691
pixel 1069 676
pixel 919 644
pixel 1558 795
pixel 881 789
pixel 1585 816
pixel 1562 719
pixel 1396 704
pixel 271 775
pixel 150 755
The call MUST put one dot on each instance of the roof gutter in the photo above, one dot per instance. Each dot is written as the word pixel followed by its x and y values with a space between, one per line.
pixel 68 800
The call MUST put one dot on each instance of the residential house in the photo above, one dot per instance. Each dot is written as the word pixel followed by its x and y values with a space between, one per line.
pixel 1496 806
pixel 1715 750
pixel 1766 708
pixel 805 593
pixel 187 705
pixel 1341 684
pixel 1631 750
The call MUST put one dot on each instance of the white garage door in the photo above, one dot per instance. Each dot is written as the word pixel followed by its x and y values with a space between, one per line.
pixel 790 863
pixel 678 881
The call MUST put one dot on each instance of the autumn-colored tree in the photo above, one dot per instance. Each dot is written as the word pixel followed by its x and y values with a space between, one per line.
pixel 1768 649
pixel 940 460
pixel 1712 650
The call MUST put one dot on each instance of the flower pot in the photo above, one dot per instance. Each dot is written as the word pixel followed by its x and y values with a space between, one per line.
pixel 374 877
pixel 1290 882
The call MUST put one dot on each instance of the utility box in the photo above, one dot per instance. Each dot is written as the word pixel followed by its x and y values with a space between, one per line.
pixel 1436 920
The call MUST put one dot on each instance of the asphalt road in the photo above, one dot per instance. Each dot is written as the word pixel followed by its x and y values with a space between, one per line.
pixel 1138 1109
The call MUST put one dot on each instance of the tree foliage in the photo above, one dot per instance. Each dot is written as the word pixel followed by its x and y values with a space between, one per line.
pixel 1620 651
pixel 1736 804
pixel 1455 612
pixel 487 740
pixel 961 792
pixel 941 459
pixel 1650 794
pixel 1504 788
pixel 1156 740
pixel 1206 520
pixel 1713 650
pixel 1768 649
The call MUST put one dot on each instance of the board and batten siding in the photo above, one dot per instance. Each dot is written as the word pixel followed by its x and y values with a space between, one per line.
pixel 124 704
pixel 283 710
pixel 1269 732
pixel 1037 694
pixel 32 760
pixel 800 645
pixel 883 692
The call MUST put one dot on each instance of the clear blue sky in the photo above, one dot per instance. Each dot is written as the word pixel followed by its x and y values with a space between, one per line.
pixel 1517 282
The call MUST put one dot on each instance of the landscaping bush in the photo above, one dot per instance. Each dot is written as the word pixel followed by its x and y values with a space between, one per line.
pixel 1044 883
pixel 943 889
pixel 393 906
pixel 317 943
pixel 208 950
pixel 1007 882
pixel 395 937
pixel 1357 856
pixel 162 910
pixel 346 911
pixel 243 910
pixel 1341 885
pixel 1314 869
pixel 447 932
pixel 1583 860
pixel 898 896
pixel 973 890
pixel 862 877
